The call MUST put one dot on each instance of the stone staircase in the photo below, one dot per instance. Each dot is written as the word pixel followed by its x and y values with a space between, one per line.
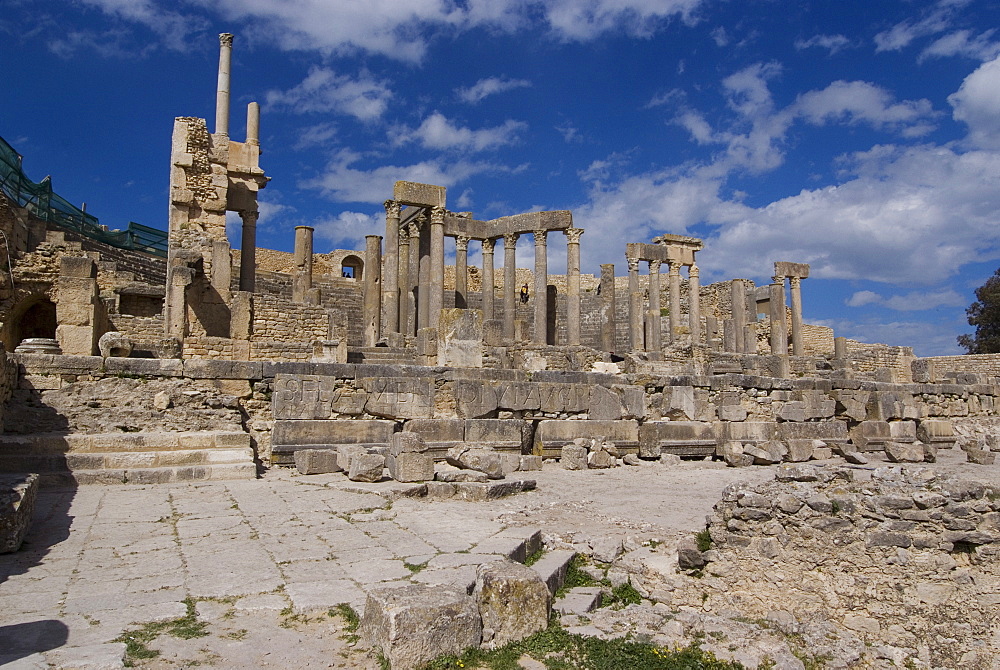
pixel 129 458
pixel 382 356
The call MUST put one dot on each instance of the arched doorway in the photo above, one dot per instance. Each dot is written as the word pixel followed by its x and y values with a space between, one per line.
pixel 35 319
pixel 351 267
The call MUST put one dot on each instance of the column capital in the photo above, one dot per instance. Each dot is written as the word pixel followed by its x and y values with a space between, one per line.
pixel 633 264
pixel 488 245
pixel 654 266
pixel 693 270
pixel 249 216
pixel 675 267
pixel 540 236
pixel 510 239
pixel 404 234
pixel 778 279
pixel 462 242
pixel 225 39
pixel 392 209
pixel 796 282
pixel 413 229
pixel 573 235
pixel 437 216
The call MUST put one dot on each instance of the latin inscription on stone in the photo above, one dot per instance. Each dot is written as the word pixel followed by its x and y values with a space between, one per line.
pixel 400 397
pixel 479 399
pixel 314 397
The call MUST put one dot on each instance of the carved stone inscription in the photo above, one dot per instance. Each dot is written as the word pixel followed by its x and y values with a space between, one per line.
pixel 481 399
pixel 400 397
pixel 314 397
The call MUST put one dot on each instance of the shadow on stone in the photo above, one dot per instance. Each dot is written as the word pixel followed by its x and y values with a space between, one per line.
pixel 24 639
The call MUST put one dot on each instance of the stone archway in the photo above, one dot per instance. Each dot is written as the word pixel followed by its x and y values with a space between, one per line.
pixel 34 318
pixel 352 267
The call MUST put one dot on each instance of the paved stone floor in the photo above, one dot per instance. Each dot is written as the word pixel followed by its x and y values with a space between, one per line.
pixel 264 561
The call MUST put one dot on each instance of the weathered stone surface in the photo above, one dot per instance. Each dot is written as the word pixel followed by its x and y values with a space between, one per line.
pixel 513 602
pixel 460 338
pixel 415 624
pixel 684 438
pixel 461 476
pixel 688 555
pixel 400 397
pixel 573 457
pixel 980 456
pixel 802 450
pixel 602 455
pixel 551 435
pixel 366 468
pixel 410 466
pixel 115 344
pixel 870 435
pixel 732 451
pixel 527 463
pixel 407 442
pixel 477 458
pixel 17 502
pixel 904 452
pixel 855 457
pixel 316 461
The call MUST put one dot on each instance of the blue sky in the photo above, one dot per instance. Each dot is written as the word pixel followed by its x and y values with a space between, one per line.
pixel 860 137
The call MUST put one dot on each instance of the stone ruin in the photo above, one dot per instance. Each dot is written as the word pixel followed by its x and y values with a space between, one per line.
pixel 209 364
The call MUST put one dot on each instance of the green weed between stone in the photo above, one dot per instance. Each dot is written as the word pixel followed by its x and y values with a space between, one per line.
pixel 351 621
pixel 704 540
pixel 137 641
pixel 560 650
pixel 533 558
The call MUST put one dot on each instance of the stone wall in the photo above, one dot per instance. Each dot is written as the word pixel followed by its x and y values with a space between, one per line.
pixel 870 358
pixel 988 364
pixel 281 320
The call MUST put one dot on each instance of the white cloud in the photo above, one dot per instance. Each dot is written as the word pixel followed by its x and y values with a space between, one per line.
pixel 977 104
pixel 914 301
pixel 854 102
pixel 489 86
pixel 927 339
pixel 832 43
pixel 902 34
pixel 584 20
pixel 317 135
pixel 323 90
pixel 964 43
pixel 437 132
pixel 172 27
pixel 343 182
pixel 347 230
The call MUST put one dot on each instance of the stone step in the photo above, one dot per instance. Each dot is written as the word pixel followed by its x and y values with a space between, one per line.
pixel 552 566
pixel 60 443
pixel 165 475
pixel 579 600
pixel 128 460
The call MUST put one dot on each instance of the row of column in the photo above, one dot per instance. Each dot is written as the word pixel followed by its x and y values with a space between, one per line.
pixel 650 338
pixel 413 284
pixel 740 335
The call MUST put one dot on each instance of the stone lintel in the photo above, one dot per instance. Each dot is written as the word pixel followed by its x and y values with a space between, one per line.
pixel 785 269
pixel 419 195
pixel 668 240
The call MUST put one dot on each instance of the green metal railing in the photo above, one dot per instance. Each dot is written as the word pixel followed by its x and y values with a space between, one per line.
pixel 39 199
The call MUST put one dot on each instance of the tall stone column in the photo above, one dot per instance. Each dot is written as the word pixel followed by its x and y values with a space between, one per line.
pixel 413 294
pixel 461 271
pixel 404 280
pixel 390 288
pixel 302 281
pixel 509 283
pixel 248 251
pixel 541 282
pixel 779 333
pixel 372 289
pixel 738 302
pixel 796 290
pixel 609 319
pixel 573 286
pixel 634 305
pixel 653 335
pixel 694 303
pixel 488 282
pixel 253 124
pixel 222 92
pixel 675 299
pixel 437 266
pixel 423 292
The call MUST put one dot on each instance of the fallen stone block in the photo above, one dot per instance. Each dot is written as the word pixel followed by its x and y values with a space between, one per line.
pixel 552 567
pixel 979 456
pixel 410 466
pixel 800 450
pixel 461 476
pixel 528 463
pixel 734 455
pixel 477 458
pixel 412 625
pixel 17 502
pixel 904 452
pixel 855 457
pixel 513 602
pixel 366 468
pixel 573 457
pixel 316 461
pixel 407 443
pixel 688 555
pixel 579 600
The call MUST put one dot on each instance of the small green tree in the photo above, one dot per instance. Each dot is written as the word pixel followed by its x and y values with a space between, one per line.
pixel 984 314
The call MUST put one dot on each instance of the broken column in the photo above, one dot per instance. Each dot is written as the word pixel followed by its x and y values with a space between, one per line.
pixel 372 289
pixel 738 300
pixel 796 291
pixel 509 283
pixel 541 281
pixel 390 287
pixel 488 280
pixel 573 285
pixel 608 320
pixel 302 280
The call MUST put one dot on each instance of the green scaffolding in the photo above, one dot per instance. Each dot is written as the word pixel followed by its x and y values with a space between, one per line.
pixel 38 198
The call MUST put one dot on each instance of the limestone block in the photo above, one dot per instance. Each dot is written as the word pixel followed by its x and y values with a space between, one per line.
pixel 115 344
pixel 936 431
pixel 802 450
pixel 340 431
pixel 795 410
pixel 493 333
pixel 732 451
pixel 688 555
pixel 17 502
pixel 870 435
pixel 366 468
pixel 528 463
pixel 407 442
pixel 732 413
pixel 885 406
pixel 412 625
pixel 851 404
pixel 763 453
pixel 603 455
pixel 551 435
pixel 419 195
pixel 573 457
pixel 400 397
pixel 748 431
pixel 980 456
pixel 347 452
pixel 316 461
pixel 501 434
pixel 78 267
pixel 513 602
pixel 679 403
pixel 904 452
pixel 477 458
pixel 460 338
pixel 683 438
pixel 454 476
pixel 828 431
pixel 76 340
pixel 903 431
pixel 410 466
pixel 605 404
pixel 822 453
